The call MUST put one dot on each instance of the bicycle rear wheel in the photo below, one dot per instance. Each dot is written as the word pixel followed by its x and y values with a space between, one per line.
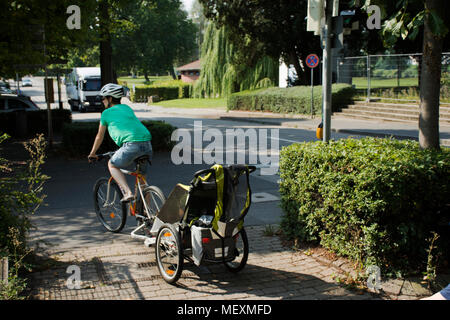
pixel 111 212
pixel 154 199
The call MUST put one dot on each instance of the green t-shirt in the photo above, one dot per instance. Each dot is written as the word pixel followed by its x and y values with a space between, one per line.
pixel 123 125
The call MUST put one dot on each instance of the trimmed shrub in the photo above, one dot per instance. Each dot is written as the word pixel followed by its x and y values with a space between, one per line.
pixel 78 137
pixel 289 100
pixel 167 90
pixel 36 121
pixel 373 200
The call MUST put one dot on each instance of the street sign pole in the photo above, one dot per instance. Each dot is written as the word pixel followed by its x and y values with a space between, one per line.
pixel 326 85
pixel 312 61
pixel 312 94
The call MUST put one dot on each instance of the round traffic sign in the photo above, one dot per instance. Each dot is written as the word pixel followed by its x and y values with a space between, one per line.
pixel 312 60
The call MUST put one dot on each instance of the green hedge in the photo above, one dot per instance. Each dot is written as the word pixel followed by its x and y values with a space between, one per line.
pixel 373 200
pixel 78 137
pixel 36 121
pixel 289 100
pixel 168 90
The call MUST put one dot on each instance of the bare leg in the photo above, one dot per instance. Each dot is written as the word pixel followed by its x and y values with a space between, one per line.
pixel 119 177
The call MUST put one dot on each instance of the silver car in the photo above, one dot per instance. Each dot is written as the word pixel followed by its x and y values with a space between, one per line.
pixel 27 83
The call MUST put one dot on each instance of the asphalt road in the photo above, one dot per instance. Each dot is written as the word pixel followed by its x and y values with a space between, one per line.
pixel 68 219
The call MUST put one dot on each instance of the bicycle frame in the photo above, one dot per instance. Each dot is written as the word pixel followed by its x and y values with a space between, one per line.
pixel 140 183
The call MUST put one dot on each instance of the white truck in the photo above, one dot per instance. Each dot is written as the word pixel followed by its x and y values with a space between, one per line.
pixel 83 87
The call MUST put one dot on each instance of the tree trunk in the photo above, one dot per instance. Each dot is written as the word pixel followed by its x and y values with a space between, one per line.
pixel 172 73
pixel 106 66
pixel 298 68
pixel 430 83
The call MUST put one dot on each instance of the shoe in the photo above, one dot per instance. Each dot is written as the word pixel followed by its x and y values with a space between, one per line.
pixel 127 198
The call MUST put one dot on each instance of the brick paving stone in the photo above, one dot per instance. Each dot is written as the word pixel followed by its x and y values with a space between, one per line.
pixel 272 272
pixel 420 289
pixel 407 289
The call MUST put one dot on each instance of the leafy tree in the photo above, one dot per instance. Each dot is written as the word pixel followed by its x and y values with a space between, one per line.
pixel 405 22
pixel 266 27
pixel 24 23
pixel 224 69
pixel 153 36
pixel 199 19
pixel 84 56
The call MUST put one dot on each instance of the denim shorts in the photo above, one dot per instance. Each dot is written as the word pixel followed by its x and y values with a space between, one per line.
pixel 128 152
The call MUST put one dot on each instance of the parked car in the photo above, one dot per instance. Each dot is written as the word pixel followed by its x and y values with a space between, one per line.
pixel 4 87
pixel 13 102
pixel 5 90
pixel 27 83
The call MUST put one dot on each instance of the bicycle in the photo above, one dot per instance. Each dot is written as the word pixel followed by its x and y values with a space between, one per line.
pixel 112 213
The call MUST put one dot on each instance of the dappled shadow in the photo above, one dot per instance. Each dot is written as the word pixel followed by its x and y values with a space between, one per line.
pixel 137 277
pixel 256 281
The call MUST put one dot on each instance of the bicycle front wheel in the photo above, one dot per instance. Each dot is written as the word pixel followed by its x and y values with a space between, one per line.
pixel 111 212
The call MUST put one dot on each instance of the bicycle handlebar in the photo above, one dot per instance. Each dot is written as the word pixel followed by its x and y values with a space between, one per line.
pixel 102 156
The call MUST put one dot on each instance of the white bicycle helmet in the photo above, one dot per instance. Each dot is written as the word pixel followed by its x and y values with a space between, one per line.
pixel 112 90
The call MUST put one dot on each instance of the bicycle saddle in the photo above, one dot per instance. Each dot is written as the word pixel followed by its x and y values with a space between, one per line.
pixel 142 159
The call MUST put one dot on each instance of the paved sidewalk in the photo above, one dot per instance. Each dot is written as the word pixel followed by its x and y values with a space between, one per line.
pixel 128 272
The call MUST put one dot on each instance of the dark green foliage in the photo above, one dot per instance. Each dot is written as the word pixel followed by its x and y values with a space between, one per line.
pixel 180 91
pixel 20 196
pixel 78 137
pixel 289 100
pixel 261 28
pixel 373 200
pixel 226 69
pixel 36 121
pixel 152 36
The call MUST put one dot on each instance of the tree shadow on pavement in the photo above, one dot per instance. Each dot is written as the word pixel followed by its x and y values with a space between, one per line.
pixel 256 282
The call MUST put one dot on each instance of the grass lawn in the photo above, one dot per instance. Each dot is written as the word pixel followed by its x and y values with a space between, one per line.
pixel 141 80
pixel 361 82
pixel 194 103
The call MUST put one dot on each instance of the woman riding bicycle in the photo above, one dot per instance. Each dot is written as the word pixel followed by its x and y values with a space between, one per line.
pixel 126 131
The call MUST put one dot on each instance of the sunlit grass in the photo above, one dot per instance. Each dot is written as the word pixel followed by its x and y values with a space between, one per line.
pixel 220 103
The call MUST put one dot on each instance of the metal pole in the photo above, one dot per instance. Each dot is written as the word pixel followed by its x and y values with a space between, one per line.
pixel 326 86
pixel 368 77
pixel 58 78
pixel 17 81
pixel 312 94
pixel 49 111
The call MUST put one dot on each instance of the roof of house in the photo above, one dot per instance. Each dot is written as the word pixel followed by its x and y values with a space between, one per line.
pixel 195 65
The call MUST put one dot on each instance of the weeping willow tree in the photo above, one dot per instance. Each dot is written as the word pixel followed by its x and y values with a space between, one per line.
pixel 225 70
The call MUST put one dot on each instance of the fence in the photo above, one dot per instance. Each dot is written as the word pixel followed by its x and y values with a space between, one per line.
pixel 390 77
